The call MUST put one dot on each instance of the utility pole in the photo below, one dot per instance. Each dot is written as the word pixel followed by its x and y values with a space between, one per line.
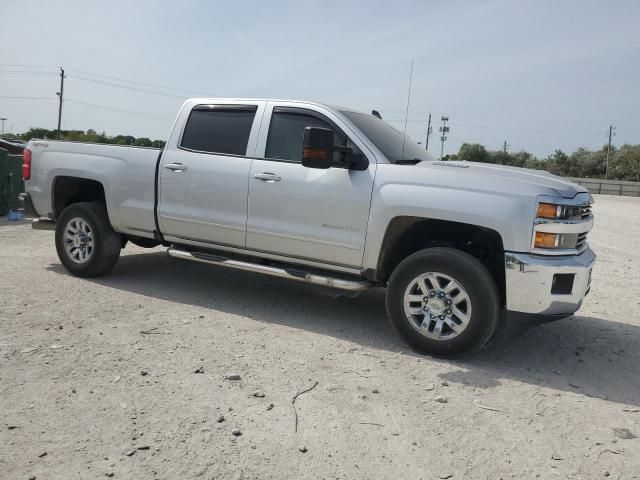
pixel 60 94
pixel 504 147
pixel 443 138
pixel 429 130
pixel 611 132
pixel 3 120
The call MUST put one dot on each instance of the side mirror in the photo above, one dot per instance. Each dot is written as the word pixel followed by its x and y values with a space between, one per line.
pixel 317 148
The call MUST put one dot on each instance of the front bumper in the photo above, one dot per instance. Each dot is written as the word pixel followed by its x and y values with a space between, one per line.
pixel 547 285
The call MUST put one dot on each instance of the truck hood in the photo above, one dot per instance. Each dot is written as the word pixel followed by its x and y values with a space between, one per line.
pixel 540 178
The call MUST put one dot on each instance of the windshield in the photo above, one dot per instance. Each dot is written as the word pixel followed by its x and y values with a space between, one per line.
pixel 387 139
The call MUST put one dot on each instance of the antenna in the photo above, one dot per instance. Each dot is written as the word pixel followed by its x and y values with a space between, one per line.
pixel 406 116
pixel 429 131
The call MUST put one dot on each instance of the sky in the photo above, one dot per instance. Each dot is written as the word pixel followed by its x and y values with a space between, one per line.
pixel 538 74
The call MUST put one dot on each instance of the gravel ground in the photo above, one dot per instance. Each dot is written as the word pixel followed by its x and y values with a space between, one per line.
pixel 84 393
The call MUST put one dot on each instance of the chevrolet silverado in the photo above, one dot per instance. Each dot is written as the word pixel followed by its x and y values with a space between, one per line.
pixel 329 196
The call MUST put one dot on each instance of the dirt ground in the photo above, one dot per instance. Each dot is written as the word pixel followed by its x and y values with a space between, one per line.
pixel 84 393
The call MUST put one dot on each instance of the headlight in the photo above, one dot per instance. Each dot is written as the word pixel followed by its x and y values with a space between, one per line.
pixel 552 211
pixel 549 210
pixel 561 225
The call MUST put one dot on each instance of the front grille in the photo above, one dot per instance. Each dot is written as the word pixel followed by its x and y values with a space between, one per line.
pixel 581 242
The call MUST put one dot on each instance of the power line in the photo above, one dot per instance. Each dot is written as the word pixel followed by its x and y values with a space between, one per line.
pixel 92 74
pixel 126 87
pixel 109 83
pixel 136 82
pixel 493 126
pixel 28 98
pixel 21 65
pixel 531 129
pixel 151 116
pixel 486 119
pixel 34 74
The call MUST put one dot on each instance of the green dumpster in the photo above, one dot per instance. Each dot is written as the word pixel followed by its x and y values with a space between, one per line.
pixel 11 184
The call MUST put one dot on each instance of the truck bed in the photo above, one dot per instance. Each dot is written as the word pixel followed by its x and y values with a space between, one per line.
pixel 127 173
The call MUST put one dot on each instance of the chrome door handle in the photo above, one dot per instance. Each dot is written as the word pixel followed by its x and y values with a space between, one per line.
pixel 176 167
pixel 267 177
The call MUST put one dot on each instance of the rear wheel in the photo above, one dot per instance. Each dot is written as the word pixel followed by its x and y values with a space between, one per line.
pixel 86 244
pixel 443 301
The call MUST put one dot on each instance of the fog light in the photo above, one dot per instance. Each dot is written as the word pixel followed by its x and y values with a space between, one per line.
pixel 562 284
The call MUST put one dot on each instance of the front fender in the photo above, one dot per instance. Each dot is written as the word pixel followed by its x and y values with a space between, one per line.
pixel 511 216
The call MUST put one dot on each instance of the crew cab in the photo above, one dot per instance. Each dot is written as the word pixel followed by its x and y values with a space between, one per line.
pixel 329 196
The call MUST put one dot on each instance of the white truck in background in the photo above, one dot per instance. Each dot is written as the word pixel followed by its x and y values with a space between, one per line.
pixel 329 196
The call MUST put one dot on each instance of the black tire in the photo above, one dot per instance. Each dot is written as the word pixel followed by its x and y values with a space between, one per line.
pixel 106 242
pixel 472 275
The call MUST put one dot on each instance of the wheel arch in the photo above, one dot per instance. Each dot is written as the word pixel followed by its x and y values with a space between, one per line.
pixel 406 235
pixel 67 190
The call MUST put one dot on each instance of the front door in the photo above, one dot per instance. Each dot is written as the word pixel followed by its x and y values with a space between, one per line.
pixel 302 212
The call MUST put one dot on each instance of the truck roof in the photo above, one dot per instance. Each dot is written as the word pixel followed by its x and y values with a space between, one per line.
pixel 249 99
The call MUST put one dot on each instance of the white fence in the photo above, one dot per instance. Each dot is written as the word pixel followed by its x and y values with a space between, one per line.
pixel 609 187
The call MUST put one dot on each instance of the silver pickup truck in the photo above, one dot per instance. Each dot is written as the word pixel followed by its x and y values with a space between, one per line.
pixel 329 196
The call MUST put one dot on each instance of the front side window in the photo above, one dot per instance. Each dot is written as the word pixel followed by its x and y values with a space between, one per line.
pixel 286 135
pixel 219 129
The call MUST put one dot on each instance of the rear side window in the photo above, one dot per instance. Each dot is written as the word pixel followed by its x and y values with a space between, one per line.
pixel 219 129
pixel 286 134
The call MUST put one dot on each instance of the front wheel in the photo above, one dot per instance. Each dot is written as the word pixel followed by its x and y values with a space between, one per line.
pixel 86 244
pixel 443 302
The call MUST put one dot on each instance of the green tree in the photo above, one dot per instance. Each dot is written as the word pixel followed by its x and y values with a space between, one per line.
pixel 90 136
pixel 624 164
pixel 473 152
pixel 142 142
pixel 500 157
pixel 588 164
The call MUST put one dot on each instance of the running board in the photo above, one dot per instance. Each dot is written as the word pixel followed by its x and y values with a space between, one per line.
pixel 43 224
pixel 291 274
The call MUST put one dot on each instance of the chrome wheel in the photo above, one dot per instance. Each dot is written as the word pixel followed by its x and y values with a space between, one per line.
pixel 78 240
pixel 437 306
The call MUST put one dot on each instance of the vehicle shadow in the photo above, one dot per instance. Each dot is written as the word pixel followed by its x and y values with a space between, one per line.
pixel 596 357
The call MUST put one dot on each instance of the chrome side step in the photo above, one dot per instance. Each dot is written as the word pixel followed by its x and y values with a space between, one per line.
pixel 43 224
pixel 299 275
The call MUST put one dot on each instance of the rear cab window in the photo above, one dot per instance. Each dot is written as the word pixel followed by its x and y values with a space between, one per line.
pixel 218 129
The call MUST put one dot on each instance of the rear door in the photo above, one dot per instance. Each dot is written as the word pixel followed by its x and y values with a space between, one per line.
pixel 312 214
pixel 203 175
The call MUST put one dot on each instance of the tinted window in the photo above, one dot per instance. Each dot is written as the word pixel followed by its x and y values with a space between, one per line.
pixel 218 130
pixel 286 134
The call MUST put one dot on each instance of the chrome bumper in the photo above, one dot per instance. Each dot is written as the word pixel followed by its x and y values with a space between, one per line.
pixel 547 285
